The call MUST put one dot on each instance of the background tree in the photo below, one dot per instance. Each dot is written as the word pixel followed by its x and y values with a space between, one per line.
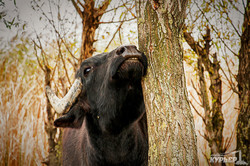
pixel 91 16
pixel 213 116
pixel 215 39
pixel 172 136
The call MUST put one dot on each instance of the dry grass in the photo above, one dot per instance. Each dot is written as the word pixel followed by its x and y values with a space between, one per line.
pixel 22 109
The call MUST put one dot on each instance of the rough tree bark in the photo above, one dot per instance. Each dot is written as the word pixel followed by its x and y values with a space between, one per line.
pixel 244 89
pixel 172 136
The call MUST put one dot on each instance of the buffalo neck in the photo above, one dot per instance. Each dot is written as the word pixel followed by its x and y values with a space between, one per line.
pixel 119 147
pixel 121 108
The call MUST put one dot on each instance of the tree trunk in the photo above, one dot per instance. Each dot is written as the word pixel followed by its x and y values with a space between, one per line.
pixel 90 16
pixel 172 136
pixel 52 158
pixel 243 86
pixel 89 26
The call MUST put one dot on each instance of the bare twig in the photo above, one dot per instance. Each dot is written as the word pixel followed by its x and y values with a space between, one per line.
pixel 101 10
pixel 56 31
pixel 119 27
pixel 80 3
pixel 203 136
pixel 53 72
pixel 67 47
pixel 228 80
pixel 228 143
pixel 109 22
pixel 196 100
pixel 228 98
pixel 215 29
pixel 64 65
pixel 231 22
pixel 129 9
pixel 114 35
pixel 203 119
pixel 117 7
pixel 44 55
pixel 230 72
pixel 207 159
pixel 74 65
pixel 77 8
pixel 120 37
pixel 39 63
pixel 195 87
pixel 236 8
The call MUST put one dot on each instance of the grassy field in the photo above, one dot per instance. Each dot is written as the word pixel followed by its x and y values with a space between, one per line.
pixel 22 108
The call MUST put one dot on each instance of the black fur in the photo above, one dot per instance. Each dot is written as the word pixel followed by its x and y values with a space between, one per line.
pixel 107 125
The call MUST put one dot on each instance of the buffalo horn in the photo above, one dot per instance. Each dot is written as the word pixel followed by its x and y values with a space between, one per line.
pixel 62 105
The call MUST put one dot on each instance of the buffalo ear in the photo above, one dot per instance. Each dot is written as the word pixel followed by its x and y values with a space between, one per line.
pixel 73 118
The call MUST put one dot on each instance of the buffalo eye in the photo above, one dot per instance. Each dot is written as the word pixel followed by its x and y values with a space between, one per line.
pixel 86 71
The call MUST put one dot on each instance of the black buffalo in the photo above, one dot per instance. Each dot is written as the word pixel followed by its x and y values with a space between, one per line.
pixel 106 122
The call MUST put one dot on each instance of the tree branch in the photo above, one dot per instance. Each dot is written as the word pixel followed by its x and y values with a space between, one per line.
pixel 77 8
pixel 203 136
pixel 109 22
pixel 129 9
pixel 191 42
pixel 229 141
pixel 116 7
pixel 228 98
pixel 230 1
pixel 203 119
pixel 229 81
pixel 202 52
pixel 39 62
pixel 215 29
pixel 207 159
pixel 231 22
pixel 64 65
pixel 114 35
pixel 101 10
pixel 196 100
pixel 78 1
pixel 195 87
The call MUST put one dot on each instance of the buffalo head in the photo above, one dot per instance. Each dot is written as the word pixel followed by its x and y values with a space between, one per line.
pixel 107 87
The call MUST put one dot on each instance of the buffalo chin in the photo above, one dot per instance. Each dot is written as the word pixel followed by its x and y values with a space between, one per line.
pixel 130 69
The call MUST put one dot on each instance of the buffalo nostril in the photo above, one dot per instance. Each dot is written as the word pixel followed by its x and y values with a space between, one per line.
pixel 120 51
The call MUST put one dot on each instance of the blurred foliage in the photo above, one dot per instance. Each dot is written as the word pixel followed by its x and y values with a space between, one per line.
pixel 4 17
pixel 22 136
